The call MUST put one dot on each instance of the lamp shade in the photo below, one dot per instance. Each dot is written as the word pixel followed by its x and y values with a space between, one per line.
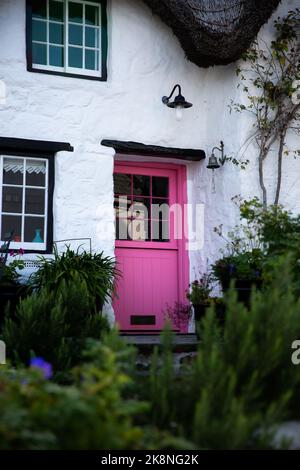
pixel 179 102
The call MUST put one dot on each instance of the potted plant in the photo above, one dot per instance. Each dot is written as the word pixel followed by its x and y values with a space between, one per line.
pixel 244 269
pixel 199 295
pixel 179 316
pixel 244 254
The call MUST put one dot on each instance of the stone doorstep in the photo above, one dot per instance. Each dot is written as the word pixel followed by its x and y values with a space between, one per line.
pixel 147 341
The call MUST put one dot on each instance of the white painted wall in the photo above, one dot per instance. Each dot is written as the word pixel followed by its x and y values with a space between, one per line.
pixel 145 61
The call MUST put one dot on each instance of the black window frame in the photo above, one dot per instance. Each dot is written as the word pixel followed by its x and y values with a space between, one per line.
pixel 104 43
pixel 38 149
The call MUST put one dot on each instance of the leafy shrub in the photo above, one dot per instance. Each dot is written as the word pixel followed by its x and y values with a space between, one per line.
pixel 90 414
pixel 8 271
pixel 242 381
pixel 247 266
pixel 253 248
pixel 96 270
pixel 53 325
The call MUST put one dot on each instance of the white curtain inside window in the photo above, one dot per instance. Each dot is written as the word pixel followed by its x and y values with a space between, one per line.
pixel 32 166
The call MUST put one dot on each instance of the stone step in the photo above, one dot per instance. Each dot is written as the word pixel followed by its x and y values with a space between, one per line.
pixel 181 341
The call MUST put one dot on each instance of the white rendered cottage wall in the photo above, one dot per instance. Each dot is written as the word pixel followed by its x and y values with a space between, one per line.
pixel 145 60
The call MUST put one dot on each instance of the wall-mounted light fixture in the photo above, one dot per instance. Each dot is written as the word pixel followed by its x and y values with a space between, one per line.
pixel 214 162
pixel 178 104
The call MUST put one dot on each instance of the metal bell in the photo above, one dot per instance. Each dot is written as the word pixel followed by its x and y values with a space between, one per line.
pixel 213 163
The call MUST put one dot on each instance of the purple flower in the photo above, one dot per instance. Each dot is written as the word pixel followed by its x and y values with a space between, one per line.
pixel 21 252
pixel 11 253
pixel 43 366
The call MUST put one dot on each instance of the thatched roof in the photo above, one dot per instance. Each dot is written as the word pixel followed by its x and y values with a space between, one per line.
pixel 214 32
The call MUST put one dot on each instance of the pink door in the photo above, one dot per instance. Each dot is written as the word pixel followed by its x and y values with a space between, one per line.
pixel 151 249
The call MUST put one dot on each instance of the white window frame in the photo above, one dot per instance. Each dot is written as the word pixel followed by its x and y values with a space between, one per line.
pixel 66 69
pixel 26 245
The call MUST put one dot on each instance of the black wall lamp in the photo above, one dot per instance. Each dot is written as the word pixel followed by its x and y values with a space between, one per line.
pixel 178 104
pixel 214 162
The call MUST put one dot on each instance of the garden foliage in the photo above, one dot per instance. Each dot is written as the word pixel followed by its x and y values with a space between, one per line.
pixel 88 414
pixel 53 325
pixel 242 382
pixel 96 270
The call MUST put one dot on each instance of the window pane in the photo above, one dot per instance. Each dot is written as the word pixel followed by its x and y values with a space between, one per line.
pixel 34 201
pixel 13 171
pixel 39 54
pixel 160 186
pixel 10 224
pixel 139 230
pixel 56 56
pixel 39 9
pixel 56 10
pixel 75 12
pixel 91 37
pixel 141 185
pixel 91 15
pixel 75 57
pixel 56 33
pixel 91 60
pixel 160 209
pixel 160 231
pixel 122 183
pixel 39 31
pixel 122 205
pixel 34 229
pixel 141 208
pixel 12 199
pixel 122 229
pixel 75 34
pixel 35 173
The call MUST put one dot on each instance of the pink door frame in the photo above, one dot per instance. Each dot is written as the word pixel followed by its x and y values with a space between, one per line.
pixel 181 199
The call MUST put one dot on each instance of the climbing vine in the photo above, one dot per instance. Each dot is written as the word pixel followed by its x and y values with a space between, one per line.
pixel 270 78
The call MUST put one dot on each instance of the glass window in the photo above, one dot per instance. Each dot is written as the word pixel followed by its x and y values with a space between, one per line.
pixel 56 11
pixel 75 57
pixel 141 185
pixel 66 36
pixel 160 186
pixel 39 30
pixel 39 54
pixel 56 56
pixel 142 207
pixel 24 195
pixel 56 33
pixel 75 12
pixel 39 8
pixel 75 34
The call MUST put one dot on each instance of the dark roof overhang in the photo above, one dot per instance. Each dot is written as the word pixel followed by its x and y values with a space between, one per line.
pixel 11 144
pixel 136 148
pixel 214 32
